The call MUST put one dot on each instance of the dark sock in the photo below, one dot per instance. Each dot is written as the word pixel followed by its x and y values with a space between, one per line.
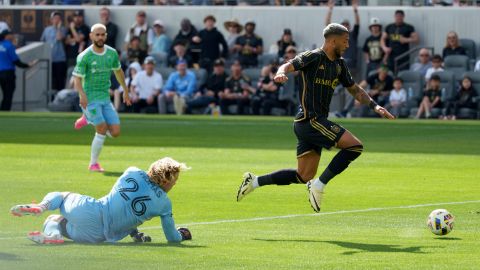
pixel 340 162
pixel 281 177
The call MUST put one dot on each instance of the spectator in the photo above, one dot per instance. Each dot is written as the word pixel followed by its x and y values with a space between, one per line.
pixel 398 97
pixel 134 52
pixel 424 62
pixel 372 48
pixel 8 60
pixel 290 53
pixel 210 40
pixel 142 30
pixel 288 2
pixel 180 54
pixel 234 29
pixel 178 90
pixel 267 94
pixel 284 42
pixel 132 71
pixel 350 55
pixel 3 26
pixel 463 99
pixel 249 46
pixel 147 86
pixel 237 90
pixel 452 46
pixel 396 41
pixel 161 42
pixel 437 63
pixel 185 36
pixel 431 98
pixel 77 37
pixel 215 85
pixel 380 84
pixel 112 29
pixel 54 35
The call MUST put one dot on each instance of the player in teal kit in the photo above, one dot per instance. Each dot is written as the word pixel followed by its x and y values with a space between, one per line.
pixel 136 197
pixel 92 81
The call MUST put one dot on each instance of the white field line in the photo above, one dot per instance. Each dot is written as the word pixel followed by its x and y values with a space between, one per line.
pixel 294 216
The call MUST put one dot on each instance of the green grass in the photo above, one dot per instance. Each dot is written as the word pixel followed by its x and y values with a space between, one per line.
pixel 405 163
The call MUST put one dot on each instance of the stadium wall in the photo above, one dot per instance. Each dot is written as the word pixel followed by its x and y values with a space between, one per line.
pixel 432 23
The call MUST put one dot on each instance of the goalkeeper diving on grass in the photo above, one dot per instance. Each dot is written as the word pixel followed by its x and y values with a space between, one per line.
pixel 136 197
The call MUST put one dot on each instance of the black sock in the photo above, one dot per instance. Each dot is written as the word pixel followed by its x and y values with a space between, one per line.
pixel 340 162
pixel 281 177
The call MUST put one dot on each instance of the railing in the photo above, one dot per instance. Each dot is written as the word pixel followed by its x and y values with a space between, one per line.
pixel 28 74
pixel 396 60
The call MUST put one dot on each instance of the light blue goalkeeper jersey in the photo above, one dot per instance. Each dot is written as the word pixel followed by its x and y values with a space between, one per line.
pixel 133 200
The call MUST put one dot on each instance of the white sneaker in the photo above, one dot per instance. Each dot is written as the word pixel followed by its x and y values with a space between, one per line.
pixel 246 186
pixel 41 238
pixel 315 196
pixel 26 209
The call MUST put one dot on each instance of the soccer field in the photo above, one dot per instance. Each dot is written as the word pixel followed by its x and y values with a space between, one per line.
pixel 373 215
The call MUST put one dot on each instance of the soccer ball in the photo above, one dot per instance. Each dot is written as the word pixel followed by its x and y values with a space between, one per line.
pixel 440 222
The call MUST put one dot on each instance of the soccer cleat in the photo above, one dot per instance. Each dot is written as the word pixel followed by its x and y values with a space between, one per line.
pixel 246 186
pixel 315 197
pixel 26 209
pixel 41 238
pixel 95 168
pixel 81 122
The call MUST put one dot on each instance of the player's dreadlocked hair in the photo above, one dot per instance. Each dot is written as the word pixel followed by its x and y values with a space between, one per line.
pixel 165 170
pixel 334 29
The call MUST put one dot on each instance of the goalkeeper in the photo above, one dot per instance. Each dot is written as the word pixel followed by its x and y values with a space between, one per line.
pixel 136 197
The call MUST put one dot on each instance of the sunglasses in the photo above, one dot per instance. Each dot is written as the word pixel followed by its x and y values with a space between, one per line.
pixel 291 52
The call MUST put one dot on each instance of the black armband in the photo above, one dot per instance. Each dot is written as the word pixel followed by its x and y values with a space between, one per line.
pixel 372 104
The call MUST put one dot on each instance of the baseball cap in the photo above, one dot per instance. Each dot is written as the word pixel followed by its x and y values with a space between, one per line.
pixel 149 60
pixel 287 31
pixel 181 61
pixel 78 13
pixel 158 22
pixel 219 62
pixel 374 21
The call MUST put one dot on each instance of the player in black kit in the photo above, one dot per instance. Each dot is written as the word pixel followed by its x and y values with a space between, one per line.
pixel 321 70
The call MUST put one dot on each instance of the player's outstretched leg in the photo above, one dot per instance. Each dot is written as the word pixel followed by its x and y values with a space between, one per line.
pixel 351 148
pixel 282 177
pixel 52 201
pixel 51 232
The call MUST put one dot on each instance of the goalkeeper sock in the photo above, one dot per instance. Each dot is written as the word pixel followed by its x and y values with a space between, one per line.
pixel 97 145
pixel 51 227
pixel 52 201
pixel 340 162
pixel 281 177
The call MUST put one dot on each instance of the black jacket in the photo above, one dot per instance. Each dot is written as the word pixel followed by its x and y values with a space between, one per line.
pixel 210 44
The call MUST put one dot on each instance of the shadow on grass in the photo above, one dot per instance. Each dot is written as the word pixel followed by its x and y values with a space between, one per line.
pixel 137 245
pixel 356 247
pixel 9 257
pixel 448 238
pixel 112 174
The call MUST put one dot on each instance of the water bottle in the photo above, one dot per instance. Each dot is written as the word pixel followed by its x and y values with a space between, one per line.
pixel 410 92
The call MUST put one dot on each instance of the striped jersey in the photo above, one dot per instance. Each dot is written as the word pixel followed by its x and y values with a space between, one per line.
pixel 319 76
pixel 95 70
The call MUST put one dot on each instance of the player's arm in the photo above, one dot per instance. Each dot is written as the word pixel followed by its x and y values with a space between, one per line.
pixel 282 72
pixel 77 83
pixel 120 76
pixel 362 96
pixel 171 233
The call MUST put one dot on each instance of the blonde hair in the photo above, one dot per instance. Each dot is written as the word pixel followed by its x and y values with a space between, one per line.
pixel 457 41
pixel 165 170
pixel 98 25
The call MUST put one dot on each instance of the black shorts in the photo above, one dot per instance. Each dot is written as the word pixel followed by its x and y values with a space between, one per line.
pixel 315 134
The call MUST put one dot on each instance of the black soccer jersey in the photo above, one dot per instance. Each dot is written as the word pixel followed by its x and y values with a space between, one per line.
pixel 318 78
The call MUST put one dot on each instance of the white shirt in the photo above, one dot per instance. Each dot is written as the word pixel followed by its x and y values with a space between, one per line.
pixel 477 66
pixel 398 96
pixel 136 32
pixel 430 71
pixel 146 85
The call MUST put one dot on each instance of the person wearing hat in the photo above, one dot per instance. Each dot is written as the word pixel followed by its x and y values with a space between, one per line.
pixel 350 55
pixel 54 35
pixel 185 36
pixel 234 29
pixel 179 53
pixel 178 90
pixel 8 60
pixel 142 30
pixel 77 37
pixel 210 40
pixel 396 40
pixel 249 46
pixel 372 49
pixel 285 42
pixel 215 84
pixel 161 42
pixel 146 88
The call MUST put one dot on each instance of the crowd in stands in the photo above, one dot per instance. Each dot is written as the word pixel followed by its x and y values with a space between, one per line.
pixel 202 71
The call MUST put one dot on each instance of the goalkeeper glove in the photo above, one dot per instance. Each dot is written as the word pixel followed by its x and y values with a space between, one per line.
pixel 139 237
pixel 186 234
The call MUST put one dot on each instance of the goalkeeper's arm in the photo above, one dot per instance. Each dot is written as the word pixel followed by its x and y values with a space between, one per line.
pixel 171 233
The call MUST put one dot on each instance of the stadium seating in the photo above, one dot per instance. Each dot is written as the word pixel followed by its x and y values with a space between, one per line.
pixel 266 59
pixel 253 74
pixel 448 85
pixel 164 71
pixel 458 64
pixel 471 49
pixel 201 75
pixel 413 83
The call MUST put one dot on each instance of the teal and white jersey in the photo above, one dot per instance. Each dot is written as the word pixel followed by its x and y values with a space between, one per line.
pixel 95 70
pixel 133 200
